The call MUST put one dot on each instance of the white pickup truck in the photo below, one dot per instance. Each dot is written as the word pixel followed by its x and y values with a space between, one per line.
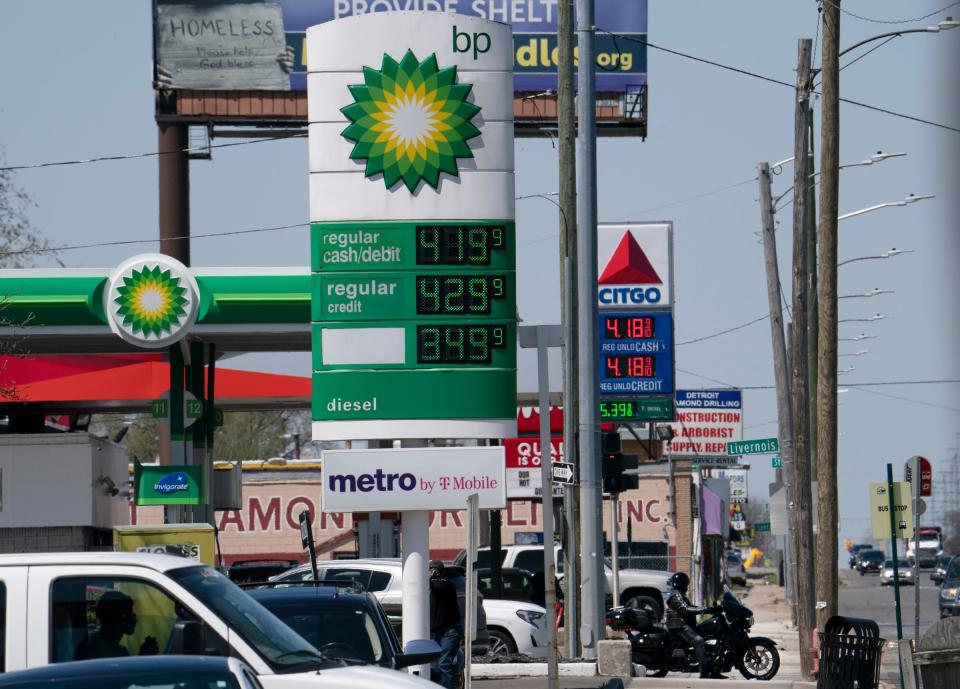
pixel 641 588
pixel 57 607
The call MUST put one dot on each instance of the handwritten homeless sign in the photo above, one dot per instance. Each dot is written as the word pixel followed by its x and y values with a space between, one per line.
pixel 439 478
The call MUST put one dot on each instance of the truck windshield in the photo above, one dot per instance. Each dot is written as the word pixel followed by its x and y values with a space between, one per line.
pixel 283 649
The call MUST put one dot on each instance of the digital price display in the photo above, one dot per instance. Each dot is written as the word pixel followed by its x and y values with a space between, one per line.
pixel 458 294
pixel 459 344
pixel 414 320
pixel 459 245
pixel 636 353
pixel 631 366
pixel 628 327
pixel 642 409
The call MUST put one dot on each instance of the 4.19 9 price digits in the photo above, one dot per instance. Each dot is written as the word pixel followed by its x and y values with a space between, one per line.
pixel 459 344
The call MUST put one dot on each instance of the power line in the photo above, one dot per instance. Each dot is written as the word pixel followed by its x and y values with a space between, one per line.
pixel 907 399
pixel 940 381
pixel 149 154
pixel 724 332
pixel 123 242
pixel 890 21
pixel 689 198
pixel 762 77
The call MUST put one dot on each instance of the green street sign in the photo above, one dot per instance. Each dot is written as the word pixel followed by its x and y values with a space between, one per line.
pixel 167 485
pixel 160 409
pixel 637 409
pixel 760 527
pixel 694 467
pixel 753 447
pixel 776 463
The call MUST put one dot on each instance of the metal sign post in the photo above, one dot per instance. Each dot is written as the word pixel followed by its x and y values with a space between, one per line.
pixel 542 337
pixel 896 566
pixel 470 607
pixel 614 547
pixel 306 540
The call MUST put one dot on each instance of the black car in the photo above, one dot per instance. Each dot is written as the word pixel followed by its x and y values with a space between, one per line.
pixel 140 672
pixel 250 571
pixel 949 589
pixel 870 561
pixel 855 553
pixel 940 570
pixel 344 624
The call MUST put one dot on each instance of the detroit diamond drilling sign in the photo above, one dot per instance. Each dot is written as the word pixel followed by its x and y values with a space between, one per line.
pixel 413 253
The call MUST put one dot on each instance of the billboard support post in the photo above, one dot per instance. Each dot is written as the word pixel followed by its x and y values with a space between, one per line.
pixel 592 577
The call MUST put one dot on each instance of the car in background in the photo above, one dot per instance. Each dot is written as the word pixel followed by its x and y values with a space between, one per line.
pixel 736 574
pixel 639 588
pixel 383 577
pixel 855 552
pixel 950 589
pixel 255 571
pixel 940 570
pixel 870 561
pixel 138 672
pixel 904 570
pixel 344 624
pixel 516 622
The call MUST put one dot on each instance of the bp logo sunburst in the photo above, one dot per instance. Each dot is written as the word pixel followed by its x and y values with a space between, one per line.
pixel 410 121
pixel 151 300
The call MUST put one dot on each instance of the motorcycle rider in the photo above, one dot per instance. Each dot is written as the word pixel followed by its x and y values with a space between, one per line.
pixel 681 618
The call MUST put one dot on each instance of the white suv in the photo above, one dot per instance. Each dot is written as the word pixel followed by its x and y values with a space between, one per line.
pixel 641 588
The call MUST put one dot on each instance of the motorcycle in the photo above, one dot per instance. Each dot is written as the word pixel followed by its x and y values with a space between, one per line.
pixel 727 637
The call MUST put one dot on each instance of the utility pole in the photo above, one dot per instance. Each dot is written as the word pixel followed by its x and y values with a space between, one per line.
pixel 784 417
pixel 803 498
pixel 826 559
pixel 592 623
pixel 567 138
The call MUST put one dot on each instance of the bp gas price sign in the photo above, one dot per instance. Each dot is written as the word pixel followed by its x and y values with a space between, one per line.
pixel 413 259
pixel 636 353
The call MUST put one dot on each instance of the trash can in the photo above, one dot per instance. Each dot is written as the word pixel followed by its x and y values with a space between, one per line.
pixel 850 650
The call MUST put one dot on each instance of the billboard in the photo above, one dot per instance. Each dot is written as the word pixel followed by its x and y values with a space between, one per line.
pixel 239 44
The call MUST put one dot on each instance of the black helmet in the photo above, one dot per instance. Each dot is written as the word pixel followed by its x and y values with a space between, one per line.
pixel 680 581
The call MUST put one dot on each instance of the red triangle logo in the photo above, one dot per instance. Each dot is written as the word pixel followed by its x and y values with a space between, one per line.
pixel 629 265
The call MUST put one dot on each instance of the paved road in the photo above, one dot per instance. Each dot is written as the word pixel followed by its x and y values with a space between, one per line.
pixel 863 596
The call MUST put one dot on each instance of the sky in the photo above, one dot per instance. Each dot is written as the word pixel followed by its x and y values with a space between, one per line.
pixel 77 84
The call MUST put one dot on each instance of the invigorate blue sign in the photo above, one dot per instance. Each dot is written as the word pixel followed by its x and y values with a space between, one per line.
pixel 636 353
pixel 174 482
pixel 621 59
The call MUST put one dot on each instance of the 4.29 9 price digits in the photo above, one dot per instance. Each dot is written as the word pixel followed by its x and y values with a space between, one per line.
pixel 459 344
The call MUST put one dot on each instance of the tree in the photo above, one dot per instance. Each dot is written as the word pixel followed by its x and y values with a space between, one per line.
pixel 244 434
pixel 20 243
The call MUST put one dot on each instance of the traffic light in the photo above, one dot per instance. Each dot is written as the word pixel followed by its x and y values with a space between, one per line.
pixel 615 463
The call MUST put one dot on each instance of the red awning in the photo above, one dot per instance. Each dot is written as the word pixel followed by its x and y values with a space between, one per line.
pixel 99 379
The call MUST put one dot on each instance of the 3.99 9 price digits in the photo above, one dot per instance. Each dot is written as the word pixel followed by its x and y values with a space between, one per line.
pixel 459 344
